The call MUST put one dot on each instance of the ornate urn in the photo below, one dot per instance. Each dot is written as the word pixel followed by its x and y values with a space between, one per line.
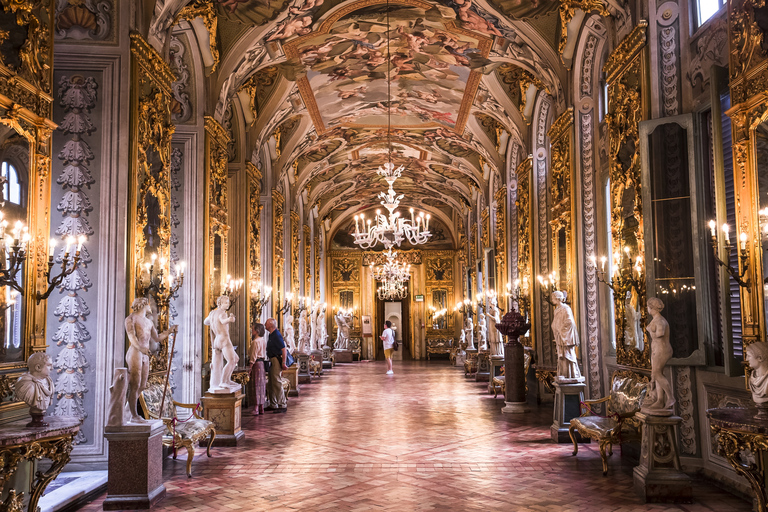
pixel 513 325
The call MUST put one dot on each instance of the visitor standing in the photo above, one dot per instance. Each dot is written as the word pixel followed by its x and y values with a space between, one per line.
pixel 277 354
pixel 388 339
pixel 258 357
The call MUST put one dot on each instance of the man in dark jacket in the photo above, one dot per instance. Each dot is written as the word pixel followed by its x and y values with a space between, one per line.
pixel 277 355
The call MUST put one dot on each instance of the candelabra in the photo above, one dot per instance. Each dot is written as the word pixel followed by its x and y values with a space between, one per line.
pixel 465 308
pixel 156 285
pixel 625 276
pixel 548 286
pixel 232 290
pixel 66 269
pixel 520 297
pixel 392 290
pixel 287 303
pixel 435 315
pixel 260 295
pixel 303 304
pixel 737 275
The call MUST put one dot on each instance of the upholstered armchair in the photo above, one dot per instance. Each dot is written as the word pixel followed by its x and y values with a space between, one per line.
pixel 183 432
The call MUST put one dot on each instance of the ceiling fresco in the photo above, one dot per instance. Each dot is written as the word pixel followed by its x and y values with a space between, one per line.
pixel 427 80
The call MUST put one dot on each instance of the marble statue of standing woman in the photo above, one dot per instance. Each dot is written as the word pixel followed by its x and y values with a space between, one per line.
pixel 219 320
pixel 660 399
pixel 567 339
pixel 289 333
pixel 482 330
pixel 304 336
pixel 494 313
pixel 322 330
pixel 313 327
pixel 468 331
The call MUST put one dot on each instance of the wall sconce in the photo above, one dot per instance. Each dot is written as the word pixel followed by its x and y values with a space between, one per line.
pixel 260 295
pixel 625 276
pixel 66 269
pixel 726 263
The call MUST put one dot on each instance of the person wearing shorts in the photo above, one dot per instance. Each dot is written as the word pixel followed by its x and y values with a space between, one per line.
pixel 388 339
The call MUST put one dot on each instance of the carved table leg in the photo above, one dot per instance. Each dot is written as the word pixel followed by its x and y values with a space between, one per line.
pixel 731 444
pixel 58 451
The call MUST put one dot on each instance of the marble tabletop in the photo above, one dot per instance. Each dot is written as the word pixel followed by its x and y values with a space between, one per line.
pixel 738 419
pixel 16 432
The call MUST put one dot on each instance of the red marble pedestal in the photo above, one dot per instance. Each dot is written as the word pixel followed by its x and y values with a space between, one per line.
pixel 135 466
pixel 343 356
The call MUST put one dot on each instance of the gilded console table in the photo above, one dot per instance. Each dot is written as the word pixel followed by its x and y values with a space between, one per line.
pixel 18 442
pixel 737 430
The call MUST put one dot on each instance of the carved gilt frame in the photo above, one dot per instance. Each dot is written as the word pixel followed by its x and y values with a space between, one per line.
pixel 525 237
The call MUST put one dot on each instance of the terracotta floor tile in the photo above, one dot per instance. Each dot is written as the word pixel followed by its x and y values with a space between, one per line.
pixel 425 439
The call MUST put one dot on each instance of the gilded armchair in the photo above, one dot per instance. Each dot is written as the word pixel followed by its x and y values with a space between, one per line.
pixel 180 432
pixel 628 390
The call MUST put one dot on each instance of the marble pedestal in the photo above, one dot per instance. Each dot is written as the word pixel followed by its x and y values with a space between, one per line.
pixel 461 356
pixel 497 363
pixel 483 366
pixel 292 374
pixel 318 355
pixel 659 477
pixel 302 361
pixel 568 398
pixel 135 465
pixel 342 356
pixel 224 409
pixel 514 378
pixel 327 358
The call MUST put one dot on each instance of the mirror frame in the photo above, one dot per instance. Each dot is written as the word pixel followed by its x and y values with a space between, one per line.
pixel 525 241
pixel 445 259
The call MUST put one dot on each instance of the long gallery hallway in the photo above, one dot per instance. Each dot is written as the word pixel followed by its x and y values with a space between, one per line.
pixel 423 439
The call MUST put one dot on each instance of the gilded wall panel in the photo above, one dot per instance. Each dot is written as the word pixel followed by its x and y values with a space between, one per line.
pixel 561 191
pixel 439 269
pixel 307 261
pixel 278 260
pixel 254 227
pixel 346 272
pixel 500 199
pixel 626 76
pixel 295 243
pixel 525 235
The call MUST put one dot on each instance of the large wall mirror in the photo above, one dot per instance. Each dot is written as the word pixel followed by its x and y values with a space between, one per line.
pixel 439 303
pixel 760 134
pixel 672 242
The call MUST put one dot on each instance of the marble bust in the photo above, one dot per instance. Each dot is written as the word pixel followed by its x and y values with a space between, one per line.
pixel 660 399
pixel 36 387
pixel 757 358
pixel 221 376
pixel 566 339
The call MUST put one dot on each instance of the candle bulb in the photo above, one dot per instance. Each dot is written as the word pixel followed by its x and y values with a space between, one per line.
pixel 725 231
pixel 51 248
pixel 70 241
pixel 713 228
pixel 602 261
pixel 80 242
pixel 743 240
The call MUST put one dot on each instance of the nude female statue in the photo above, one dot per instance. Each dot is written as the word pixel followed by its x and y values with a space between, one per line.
pixel 219 320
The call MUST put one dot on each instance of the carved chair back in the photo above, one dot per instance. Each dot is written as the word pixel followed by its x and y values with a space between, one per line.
pixel 151 399
pixel 628 390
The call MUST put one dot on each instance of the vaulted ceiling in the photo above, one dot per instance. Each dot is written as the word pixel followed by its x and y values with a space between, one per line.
pixel 316 78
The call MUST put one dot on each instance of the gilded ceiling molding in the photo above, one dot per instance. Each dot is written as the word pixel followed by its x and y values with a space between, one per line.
pixel 568 9
pixel 206 11
pixel 411 257
pixel 74 17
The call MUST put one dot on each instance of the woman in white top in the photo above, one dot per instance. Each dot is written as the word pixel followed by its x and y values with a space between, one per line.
pixel 258 356
pixel 388 339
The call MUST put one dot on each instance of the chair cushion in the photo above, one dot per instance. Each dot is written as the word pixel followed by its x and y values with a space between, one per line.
pixel 192 427
pixel 596 425
pixel 627 395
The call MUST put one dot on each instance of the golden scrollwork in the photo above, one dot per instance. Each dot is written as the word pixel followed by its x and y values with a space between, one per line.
pixel 207 12
pixel 485 219
pixel 561 191
pixel 307 261
pixel 257 86
pixel 411 257
pixel 439 288
pixel 33 22
pixel 345 270
pixel 295 242
pixel 317 265
pixel 278 201
pixel 500 198
pixel 568 9
pixel 254 221
pixel 731 444
pixel 519 80
pixel 473 244
pixel 439 269
pixel 625 75
pixel 524 233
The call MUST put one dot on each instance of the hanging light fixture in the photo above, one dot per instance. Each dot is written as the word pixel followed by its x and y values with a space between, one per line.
pixel 392 290
pixel 390 229
pixel 391 270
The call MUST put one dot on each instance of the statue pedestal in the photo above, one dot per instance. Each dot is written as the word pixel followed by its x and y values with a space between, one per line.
pixel 318 355
pixel 327 357
pixel 135 480
pixel 224 409
pixel 304 376
pixel 483 366
pixel 342 355
pixel 568 398
pixel 292 374
pixel 497 363
pixel 659 478
pixel 461 356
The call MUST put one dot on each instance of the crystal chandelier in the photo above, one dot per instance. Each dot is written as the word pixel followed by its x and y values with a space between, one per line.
pixel 390 229
pixel 391 270
pixel 392 290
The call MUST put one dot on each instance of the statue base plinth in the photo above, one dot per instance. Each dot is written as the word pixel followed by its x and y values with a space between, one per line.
pixel 483 366
pixel 37 420
pixel 304 376
pixel 135 480
pixel 318 355
pixel 342 355
pixel 568 398
pixel 225 411
pixel 460 358
pixel 292 374
pixel 327 358
pixel 497 363
pixel 516 408
pixel 659 477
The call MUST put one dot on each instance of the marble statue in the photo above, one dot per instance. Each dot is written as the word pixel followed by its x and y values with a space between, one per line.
pixel 462 340
pixel 497 345
pixel 117 412
pixel 482 331
pixel 757 358
pixel 35 388
pixel 659 400
pixel 342 335
pixel 221 375
pixel 322 333
pixel 289 333
pixel 143 338
pixel 633 333
pixel 567 339
pixel 313 344
pixel 469 332
pixel 304 335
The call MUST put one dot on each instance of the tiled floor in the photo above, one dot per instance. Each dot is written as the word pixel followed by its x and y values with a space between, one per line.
pixel 423 439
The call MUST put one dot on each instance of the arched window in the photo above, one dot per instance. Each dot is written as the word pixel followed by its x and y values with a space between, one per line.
pixel 12 186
